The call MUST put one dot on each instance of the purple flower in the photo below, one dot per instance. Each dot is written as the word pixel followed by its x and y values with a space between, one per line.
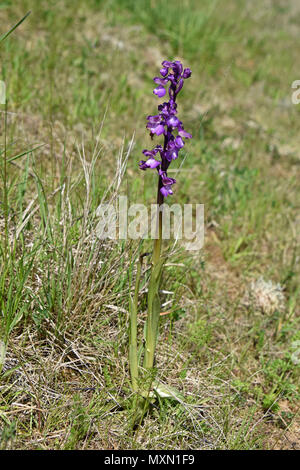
pixel 173 121
pixel 183 133
pixel 160 81
pixel 152 153
pixel 187 73
pixel 166 180
pixel 172 155
pixel 159 91
pixel 179 142
pixel 177 67
pixel 167 183
pixel 163 71
pixel 166 190
pixel 156 129
pixel 150 163
pixel 167 123
pixel 154 119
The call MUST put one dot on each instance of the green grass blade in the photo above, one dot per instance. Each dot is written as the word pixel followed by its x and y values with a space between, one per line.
pixel 26 152
pixel 4 36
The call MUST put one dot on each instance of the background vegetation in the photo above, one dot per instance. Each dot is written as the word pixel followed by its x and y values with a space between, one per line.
pixel 229 337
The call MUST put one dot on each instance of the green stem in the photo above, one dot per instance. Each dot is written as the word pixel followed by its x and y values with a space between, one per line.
pixel 158 240
pixel 5 198
pixel 133 349
pixel 153 296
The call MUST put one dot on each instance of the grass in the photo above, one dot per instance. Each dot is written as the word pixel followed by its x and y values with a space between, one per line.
pixel 227 344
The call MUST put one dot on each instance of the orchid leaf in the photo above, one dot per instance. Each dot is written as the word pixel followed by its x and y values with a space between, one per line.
pixel 165 391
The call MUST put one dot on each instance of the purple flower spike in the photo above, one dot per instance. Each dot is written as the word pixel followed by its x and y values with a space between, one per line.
pixel 159 91
pixel 167 123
